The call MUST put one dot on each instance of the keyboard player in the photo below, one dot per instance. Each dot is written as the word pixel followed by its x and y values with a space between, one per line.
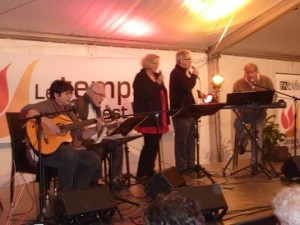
pixel 254 117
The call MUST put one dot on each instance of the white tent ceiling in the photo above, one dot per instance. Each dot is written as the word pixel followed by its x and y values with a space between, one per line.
pixel 261 28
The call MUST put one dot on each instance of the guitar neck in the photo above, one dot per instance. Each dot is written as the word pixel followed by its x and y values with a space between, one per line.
pixel 76 125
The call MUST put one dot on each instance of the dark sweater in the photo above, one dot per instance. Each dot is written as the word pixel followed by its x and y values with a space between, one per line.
pixel 181 88
pixel 147 98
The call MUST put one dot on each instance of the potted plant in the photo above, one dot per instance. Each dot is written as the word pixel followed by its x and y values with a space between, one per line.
pixel 272 141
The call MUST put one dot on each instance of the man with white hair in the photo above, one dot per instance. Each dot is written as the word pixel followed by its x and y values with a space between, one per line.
pixel 86 106
pixel 252 80
pixel 286 205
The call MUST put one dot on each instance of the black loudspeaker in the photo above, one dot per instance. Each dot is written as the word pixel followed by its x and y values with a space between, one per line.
pixel 291 167
pixel 268 220
pixel 211 199
pixel 85 207
pixel 164 182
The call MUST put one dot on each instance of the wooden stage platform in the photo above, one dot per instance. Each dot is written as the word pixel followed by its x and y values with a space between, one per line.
pixel 248 197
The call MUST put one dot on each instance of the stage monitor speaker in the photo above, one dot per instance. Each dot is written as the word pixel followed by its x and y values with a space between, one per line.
pixel 85 207
pixel 267 220
pixel 291 167
pixel 211 199
pixel 164 182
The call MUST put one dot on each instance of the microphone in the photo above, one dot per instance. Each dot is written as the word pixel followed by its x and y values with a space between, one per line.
pixel 73 108
pixel 112 115
pixel 191 72
pixel 257 85
pixel 157 74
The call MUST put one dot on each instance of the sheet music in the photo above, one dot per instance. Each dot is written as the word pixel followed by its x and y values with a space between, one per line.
pixel 119 136
pixel 102 136
pixel 122 130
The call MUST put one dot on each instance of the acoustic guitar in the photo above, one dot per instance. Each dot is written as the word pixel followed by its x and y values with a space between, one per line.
pixel 50 143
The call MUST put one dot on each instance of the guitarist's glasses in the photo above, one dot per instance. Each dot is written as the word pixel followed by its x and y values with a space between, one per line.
pixel 68 92
pixel 100 95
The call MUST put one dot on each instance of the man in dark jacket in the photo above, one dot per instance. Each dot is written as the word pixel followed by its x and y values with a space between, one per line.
pixel 182 81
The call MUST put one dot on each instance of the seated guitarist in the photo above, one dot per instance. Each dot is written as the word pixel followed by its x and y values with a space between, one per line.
pixel 89 106
pixel 55 147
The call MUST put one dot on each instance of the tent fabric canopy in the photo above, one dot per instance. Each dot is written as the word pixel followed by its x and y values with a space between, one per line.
pixel 159 24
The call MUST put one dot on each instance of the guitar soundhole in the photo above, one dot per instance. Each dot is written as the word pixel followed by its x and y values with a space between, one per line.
pixel 62 129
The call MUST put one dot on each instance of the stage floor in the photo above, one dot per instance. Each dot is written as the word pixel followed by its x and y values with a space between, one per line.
pixel 248 196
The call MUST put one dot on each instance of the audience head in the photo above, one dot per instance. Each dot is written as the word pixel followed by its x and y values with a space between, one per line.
pixel 150 62
pixel 184 58
pixel 96 93
pixel 286 205
pixel 60 86
pixel 173 209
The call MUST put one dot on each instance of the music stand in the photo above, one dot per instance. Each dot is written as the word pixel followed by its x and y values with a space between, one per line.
pixel 252 101
pixel 250 97
pixel 128 125
pixel 197 111
pixel 120 136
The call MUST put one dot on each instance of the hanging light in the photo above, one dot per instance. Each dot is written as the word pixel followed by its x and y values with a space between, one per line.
pixel 217 81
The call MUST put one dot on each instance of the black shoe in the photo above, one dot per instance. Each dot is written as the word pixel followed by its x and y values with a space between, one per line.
pixel 120 184
pixel 196 168
pixel 95 184
pixel 144 180
pixel 242 149
pixel 188 171
pixel 242 145
pixel 254 170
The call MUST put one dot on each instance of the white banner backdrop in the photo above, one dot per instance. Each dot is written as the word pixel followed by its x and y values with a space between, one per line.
pixel 28 73
pixel 288 86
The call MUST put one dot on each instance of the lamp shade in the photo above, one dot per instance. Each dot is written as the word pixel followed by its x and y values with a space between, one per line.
pixel 217 81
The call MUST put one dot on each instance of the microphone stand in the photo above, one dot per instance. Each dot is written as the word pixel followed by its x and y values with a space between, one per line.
pixel 158 141
pixel 156 114
pixel 295 112
pixel 41 218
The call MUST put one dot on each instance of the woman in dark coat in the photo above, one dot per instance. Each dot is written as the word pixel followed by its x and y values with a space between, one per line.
pixel 150 98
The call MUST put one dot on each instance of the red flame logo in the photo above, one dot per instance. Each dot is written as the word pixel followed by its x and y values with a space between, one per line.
pixel 288 121
pixel 20 97
pixel 4 93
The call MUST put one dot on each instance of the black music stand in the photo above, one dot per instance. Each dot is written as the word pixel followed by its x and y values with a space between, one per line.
pixel 250 97
pixel 123 130
pixel 197 111
pixel 252 101
pixel 121 136
pixel 128 125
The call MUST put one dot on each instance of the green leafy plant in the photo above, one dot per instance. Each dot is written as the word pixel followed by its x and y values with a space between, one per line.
pixel 272 137
pixel 271 133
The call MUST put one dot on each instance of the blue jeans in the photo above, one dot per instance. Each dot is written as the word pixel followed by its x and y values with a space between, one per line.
pixel 115 151
pixel 243 136
pixel 70 164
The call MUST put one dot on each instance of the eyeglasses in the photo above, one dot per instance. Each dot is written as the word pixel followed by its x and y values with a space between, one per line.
pixel 68 92
pixel 99 94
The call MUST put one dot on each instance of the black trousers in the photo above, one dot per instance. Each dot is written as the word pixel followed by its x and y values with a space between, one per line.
pixel 148 155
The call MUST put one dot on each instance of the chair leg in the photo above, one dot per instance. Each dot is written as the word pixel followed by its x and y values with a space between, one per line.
pixel 235 152
pixel 12 184
pixel 105 169
pixel 55 185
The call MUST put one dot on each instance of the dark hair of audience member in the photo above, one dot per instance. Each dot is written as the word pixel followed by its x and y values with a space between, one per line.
pixel 173 209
